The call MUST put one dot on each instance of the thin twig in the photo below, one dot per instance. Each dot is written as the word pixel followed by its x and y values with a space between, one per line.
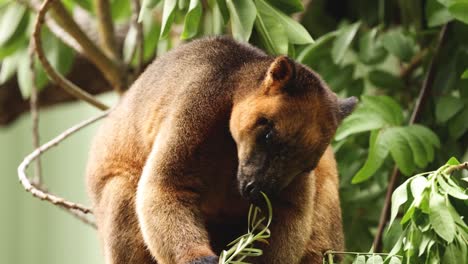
pixel 44 195
pixel 421 100
pixel 51 72
pixel 415 62
pixel 61 34
pixel 462 166
pixel 140 43
pixel 111 70
pixel 33 101
pixel 80 216
pixel 106 28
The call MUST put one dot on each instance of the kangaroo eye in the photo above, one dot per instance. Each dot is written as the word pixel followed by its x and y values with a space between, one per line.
pixel 269 136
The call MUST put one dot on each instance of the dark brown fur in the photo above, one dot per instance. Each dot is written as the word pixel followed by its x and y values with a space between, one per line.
pixel 166 166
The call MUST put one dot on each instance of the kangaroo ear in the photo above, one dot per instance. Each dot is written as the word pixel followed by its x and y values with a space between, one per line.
pixel 280 72
pixel 346 107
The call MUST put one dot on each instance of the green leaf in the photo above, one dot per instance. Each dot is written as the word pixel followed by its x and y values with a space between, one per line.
pixel 371 50
pixel 358 122
pixel 427 135
pixel 288 6
pixel 452 189
pixel 424 243
pixel 129 44
pixel 9 66
pixel 465 74
pixel 145 7
pixel 360 260
pixel 400 150
pixel 395 260
pixel 428 147
pixel 458 125
pixel 452 254
pixel 378 151
pixel 296 33
pixel 447 107
pixel 243 14
pixel 11 19
pixel 420 157
pixel 151 36
pixel 120 10
pixel 437 14
pixel 399 197
pixel 386 106
pixel 24 75
pixel 385 80
pixel 192 19
pixel 168 17
pixel 440 217
pixel 313 51
pixel 217 20
pixel 417 186
pixel 399 44
pixel 447 3
pixel 272 34
pixel 14 45
pixel 376 259
pixel 453 161
pixel 459 10
pixel 224 10
pixel 342 42
pixel 338 82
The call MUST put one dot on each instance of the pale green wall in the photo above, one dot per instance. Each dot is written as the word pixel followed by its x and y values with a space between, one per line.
pixel 33 231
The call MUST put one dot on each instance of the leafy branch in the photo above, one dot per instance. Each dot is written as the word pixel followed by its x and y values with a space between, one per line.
pixel 242 247
pixel 433 229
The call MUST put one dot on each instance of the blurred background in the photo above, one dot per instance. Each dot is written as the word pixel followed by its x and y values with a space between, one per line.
pixel 34 231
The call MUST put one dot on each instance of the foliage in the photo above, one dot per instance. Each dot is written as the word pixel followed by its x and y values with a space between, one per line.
pixel 258 231
pixel 432 229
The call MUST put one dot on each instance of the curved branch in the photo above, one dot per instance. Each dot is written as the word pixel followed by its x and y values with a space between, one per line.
pixel 111 70
pixel 44 195
pixel 106 28
pixel 61 34
pixel 57 77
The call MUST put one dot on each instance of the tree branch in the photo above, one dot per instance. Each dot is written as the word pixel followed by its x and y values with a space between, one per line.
pixel 34 114
pixel 106 28
pixel 57 77
pixel 34 6
pixel 462 166
pixel 111 70
pixel 415 116
pixel 42 194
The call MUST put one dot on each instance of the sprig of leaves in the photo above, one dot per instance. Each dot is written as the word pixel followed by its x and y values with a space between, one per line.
pixel 433 230
pixel 411 147
pixel 258 231
pixel 362 258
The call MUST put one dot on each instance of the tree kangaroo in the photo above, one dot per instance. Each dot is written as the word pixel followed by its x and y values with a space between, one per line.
pixel 204 130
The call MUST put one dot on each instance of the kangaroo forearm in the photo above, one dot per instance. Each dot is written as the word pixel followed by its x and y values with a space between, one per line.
pixel 172 226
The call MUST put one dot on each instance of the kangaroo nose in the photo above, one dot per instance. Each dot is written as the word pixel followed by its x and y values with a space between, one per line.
pixel 250 190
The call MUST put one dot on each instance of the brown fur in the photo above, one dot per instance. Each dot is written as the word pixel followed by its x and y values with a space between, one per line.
pixel 166 167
